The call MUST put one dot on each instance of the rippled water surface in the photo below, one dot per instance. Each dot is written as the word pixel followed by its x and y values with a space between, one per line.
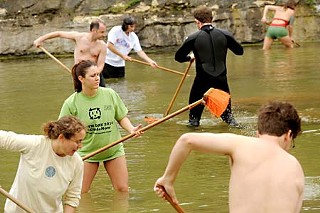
pixel 32 92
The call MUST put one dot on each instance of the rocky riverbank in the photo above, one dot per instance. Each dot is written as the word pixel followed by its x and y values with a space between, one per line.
pixel 160 23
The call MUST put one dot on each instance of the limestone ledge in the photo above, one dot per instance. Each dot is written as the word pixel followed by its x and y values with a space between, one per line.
pixel 160 23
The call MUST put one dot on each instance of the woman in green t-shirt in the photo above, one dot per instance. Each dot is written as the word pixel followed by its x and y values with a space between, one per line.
pixel 101 109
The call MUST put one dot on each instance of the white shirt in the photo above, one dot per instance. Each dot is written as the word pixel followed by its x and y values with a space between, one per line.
pixel 123 43
pixel 42 176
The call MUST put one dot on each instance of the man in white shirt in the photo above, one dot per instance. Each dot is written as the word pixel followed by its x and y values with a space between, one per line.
pixel 121 40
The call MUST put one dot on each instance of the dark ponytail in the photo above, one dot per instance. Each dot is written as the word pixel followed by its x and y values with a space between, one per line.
pixel 80 69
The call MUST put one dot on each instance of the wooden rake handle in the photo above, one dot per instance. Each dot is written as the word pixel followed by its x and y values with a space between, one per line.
pixel 296 43
pixel 169 199
pixel 55 59
pixel 190 106
pixel 179 87
pixel 21 205
pixel 162 68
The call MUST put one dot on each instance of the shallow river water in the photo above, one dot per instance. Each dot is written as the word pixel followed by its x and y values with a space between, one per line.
pixel 33 90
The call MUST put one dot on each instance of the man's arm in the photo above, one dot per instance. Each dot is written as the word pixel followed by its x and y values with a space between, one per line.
pixel 56 34
pixel 102 56
pixel 112 48
pixel 144 56
pixel 300 180
pixel 182 54
pixel 233 45
pixel 224 144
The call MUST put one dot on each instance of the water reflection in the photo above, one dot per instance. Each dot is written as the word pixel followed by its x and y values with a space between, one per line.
pixel 119 202
pixel 32 92
pixel 312 193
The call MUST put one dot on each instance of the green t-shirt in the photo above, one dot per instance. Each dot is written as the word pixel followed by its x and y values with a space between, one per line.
pixel 100 114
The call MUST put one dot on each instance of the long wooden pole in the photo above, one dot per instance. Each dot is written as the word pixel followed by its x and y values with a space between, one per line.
pixel 160 67
pixel 179 87
pixel 21 205
pixel 144 128
pixel 209 99
pixel 296 43
pixel 55 59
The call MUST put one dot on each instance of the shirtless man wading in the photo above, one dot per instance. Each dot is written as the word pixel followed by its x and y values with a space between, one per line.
pixel 88 45
pixel 265 178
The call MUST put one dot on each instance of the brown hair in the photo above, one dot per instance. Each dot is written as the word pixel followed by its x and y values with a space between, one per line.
pixel 126 22
pixel 68 126
pixel 277 118
pixel 203 14
pixel 290 4
pixel 95 24
pixel 80 69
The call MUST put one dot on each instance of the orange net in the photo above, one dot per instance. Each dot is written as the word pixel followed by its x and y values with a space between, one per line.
pixel 150 120
pixel 216 101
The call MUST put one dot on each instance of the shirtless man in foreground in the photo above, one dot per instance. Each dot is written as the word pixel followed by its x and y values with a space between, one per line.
pixel 88 45
pixel 264 176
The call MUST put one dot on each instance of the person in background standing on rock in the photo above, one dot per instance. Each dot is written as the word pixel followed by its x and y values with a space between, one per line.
pixel 121 40
pixel 209 46
pixel 281 26
pixel 50 170
pixel 88 45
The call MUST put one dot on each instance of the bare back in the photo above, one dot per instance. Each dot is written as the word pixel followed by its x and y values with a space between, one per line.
pixel 282 13
pixel 264 178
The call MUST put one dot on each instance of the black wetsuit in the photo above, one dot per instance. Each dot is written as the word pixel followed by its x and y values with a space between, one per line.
pixel 209 46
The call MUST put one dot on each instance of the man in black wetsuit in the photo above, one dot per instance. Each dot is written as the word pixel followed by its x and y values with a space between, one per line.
pixel 209 46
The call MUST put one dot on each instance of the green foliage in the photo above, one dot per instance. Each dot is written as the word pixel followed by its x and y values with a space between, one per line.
pixel 117 9
pixel 121 8
pixel 133 3
pixel 311 2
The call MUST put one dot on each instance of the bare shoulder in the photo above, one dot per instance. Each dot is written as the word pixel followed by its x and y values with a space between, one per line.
pixel 219 143
pixel 102 44
pixel 292 168
pixel 297 173
pixel 295 163
pixel 80 35
pixel 224 137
